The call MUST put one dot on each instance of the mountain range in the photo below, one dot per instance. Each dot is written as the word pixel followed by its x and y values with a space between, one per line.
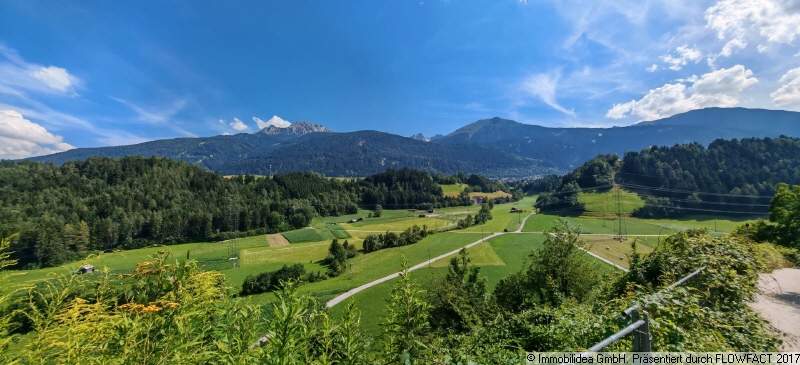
pixel 495 147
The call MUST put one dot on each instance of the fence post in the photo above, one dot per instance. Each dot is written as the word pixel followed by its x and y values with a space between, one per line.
pixel 642 342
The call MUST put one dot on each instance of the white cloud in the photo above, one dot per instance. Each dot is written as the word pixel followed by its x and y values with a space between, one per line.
pixel 20 138
pixel 788 94
pixel 154 115
pixel 717 88
pixel 682 56
pixel 731 45
pixel 652 68
pixel 763 21
pixel 544 86
pixel 161 115
pixel 55 78
pixel 18 76
pixel 238 125
pixel 275 121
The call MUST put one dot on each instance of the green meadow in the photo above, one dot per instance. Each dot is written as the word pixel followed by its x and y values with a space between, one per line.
pixel 453 189
pixel 496 258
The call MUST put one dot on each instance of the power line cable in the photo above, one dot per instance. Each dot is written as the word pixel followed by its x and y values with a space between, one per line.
pixel 637 186
pixel 704 201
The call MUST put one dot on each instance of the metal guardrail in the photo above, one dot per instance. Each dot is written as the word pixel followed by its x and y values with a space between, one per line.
pixel 640 328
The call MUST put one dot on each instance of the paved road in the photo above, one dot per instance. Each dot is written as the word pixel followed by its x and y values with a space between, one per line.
pixel 342 297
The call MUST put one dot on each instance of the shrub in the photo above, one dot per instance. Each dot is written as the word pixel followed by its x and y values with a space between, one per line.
pixel 272 280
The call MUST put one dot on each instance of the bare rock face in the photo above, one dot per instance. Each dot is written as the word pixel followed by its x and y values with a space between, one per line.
pixel 295 129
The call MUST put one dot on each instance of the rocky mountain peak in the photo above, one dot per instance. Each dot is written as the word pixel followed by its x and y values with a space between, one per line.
pixel 297 129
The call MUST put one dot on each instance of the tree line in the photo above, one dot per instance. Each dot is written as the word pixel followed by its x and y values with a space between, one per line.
pixel 406 188
pixel 410 235
pixel 729 177
pixel 62 213
pixel 483 216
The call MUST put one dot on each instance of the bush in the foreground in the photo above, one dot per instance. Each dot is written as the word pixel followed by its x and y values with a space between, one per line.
pixel 710 312
pixel 274 280
pixel 173 313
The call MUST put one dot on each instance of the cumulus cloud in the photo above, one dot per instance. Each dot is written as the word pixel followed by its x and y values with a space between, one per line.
pixel 652 68
pixel 55 78
pixel 788 93
pixel 681 57
pixel 717 88
pixel 20 138
pixel 238 125
pixel 763 21
pixel 543 87
pixel 18 76
pixel 275 121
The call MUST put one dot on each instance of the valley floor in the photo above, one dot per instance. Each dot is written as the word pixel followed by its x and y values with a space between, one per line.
pixel 499 247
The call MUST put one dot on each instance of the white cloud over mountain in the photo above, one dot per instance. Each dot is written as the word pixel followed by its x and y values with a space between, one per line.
pixel 543 86
pixel 721 88
pixel 275 121
pixel 20 138
pixel 238 125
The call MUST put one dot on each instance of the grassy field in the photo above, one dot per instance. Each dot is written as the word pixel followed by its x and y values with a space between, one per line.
pixel 360 230
pixel 367 267
pixel 504 219
pixel 605 204
pixel 453 189
pixel 320 229
pixel 497 258
pixel 210 255
pixel 634 226
pixel 600 217
pixel 619 251
pixel 493 195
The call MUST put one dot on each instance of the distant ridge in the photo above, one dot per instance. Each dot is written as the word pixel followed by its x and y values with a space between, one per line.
pixel 567 148
pixel 496 147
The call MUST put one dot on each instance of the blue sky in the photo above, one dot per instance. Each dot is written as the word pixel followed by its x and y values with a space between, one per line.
pixel 95 73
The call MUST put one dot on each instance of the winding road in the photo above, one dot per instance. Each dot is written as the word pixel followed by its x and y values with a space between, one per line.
pixel 342 297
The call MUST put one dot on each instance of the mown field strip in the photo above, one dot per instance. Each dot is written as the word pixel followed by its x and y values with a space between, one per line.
pixel 341 297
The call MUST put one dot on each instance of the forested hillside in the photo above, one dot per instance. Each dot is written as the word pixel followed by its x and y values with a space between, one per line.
pixel 406 188
pixel 730 177
pixel 61 213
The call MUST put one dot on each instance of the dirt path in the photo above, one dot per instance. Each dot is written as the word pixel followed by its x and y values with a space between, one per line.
pixel 779 303
pixel 277 240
